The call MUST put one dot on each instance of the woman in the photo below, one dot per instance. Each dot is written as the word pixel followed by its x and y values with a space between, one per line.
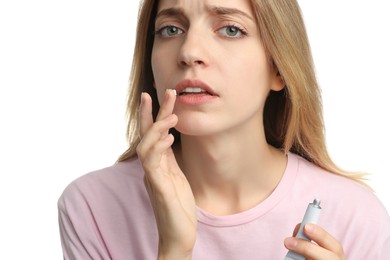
pixel 226 135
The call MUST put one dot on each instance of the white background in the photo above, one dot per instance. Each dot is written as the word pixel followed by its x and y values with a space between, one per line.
pixel 64 69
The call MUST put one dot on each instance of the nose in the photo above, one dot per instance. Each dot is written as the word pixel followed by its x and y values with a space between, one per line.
pixel 193 51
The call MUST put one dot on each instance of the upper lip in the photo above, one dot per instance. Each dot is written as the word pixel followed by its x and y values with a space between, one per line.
pixel 194 83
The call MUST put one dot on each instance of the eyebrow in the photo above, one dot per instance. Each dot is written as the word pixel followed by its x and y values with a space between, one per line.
pixel 173 11
pixel 216 10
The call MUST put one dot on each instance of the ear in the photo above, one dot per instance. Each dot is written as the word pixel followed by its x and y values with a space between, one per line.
pixel 277 83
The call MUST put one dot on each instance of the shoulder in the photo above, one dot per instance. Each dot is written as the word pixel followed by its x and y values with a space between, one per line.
pixel 312 176
pixel 334 187
pixel 122 178
pixel 105 214
pixel 350 210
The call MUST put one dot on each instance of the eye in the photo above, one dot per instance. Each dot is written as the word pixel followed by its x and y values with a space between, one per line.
pixel 169 31
pixel 232 31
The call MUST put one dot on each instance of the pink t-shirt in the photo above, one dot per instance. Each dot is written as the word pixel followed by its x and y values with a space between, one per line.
pixel 106 214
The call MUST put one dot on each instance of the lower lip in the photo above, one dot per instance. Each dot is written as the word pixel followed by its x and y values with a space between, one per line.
pixel 195 99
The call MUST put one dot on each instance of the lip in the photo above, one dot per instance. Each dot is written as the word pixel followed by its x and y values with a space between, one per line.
pixel 197 99
pixel 194 83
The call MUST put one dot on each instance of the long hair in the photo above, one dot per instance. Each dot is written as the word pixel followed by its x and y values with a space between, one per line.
pixel 293 119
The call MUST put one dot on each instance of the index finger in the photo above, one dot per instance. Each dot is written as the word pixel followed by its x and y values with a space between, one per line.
pixel 167 105
pixel 145 113
pixel 323 238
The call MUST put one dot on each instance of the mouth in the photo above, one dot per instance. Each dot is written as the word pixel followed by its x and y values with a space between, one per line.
pixel 193 87
pixel 192 91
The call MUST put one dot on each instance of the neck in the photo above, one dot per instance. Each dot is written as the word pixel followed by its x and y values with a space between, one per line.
pixel 232 172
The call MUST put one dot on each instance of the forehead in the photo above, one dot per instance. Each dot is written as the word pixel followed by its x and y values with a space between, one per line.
pixel 203 5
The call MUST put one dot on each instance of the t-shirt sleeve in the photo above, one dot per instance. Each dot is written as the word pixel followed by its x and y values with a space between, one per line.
pixel 80 236
pixel 385 251
pixel 372 235
pixel 72 246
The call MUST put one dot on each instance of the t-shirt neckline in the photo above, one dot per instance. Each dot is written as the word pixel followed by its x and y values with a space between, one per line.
pixel 262 208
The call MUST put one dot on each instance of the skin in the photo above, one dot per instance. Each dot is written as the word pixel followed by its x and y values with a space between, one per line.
pixel 223 163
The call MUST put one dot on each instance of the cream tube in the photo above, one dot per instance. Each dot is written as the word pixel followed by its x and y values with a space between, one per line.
pixel 311 216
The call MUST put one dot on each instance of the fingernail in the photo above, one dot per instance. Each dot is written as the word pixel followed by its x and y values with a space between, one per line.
pixel 309 228
pixel 290 242
pixel 166 95
pixel 174 92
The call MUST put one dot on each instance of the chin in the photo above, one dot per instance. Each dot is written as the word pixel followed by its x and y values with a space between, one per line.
pixel 193 128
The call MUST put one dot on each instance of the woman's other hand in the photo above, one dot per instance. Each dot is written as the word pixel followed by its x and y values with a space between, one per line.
pixel 326 247
pixel 169 191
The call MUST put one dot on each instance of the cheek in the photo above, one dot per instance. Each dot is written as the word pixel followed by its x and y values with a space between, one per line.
pixel 156 65
pixel 159 70
pixel 251 85
pixel 163 59
pixel 250 75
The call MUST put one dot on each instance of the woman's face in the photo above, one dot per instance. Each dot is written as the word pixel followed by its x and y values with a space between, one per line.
pixel 210 51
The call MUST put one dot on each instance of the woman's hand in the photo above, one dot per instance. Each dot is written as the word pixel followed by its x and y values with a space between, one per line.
pixel 326 247
pixel 169 191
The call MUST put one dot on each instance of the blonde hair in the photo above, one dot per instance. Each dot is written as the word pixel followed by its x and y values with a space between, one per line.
pixel 293 118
